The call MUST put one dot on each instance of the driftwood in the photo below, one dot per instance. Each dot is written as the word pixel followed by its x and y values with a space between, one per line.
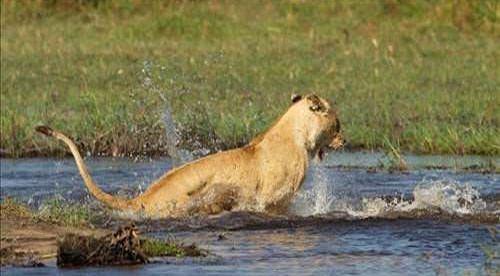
pixel 119 248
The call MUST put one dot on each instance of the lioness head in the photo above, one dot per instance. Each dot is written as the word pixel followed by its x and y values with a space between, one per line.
pixel 319 123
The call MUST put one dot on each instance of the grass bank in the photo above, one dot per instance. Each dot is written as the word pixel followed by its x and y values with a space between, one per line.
pixel 75 233
pixel 419 76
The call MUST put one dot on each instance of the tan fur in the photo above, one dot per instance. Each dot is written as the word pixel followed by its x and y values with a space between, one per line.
pixel 261 176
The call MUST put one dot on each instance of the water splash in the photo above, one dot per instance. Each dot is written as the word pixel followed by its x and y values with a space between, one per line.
pixel 172 136
pixel 451 197
pixel 319 198
pixel 180 156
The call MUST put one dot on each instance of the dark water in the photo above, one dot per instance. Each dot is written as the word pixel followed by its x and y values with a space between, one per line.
pixel 343 221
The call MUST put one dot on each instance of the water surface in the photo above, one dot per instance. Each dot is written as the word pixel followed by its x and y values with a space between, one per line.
pixel 343 221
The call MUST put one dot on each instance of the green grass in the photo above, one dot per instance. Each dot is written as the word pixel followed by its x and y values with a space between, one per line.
pixel 12 208
pixel 57 211
pixel 156 248
pixel 54 211
pixel 393 159
pixel 421 76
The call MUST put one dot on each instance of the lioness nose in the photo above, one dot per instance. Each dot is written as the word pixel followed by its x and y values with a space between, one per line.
pixel 337 142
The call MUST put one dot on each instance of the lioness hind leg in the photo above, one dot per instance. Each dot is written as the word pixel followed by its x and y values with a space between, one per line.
pixel 213 200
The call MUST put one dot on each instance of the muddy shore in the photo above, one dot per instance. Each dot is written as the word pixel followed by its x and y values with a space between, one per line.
pixel 27 241
pixel 31 240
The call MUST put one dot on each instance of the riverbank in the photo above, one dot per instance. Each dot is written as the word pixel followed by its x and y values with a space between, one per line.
pixel 28 240
pixel 31 238
pixel 416 76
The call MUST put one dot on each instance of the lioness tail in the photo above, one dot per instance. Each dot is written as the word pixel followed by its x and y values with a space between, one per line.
pixel 109 200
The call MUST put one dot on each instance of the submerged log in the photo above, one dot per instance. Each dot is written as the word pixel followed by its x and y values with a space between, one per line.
pixel 119 248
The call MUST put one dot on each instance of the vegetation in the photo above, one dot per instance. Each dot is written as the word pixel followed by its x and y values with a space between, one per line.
pixel 53 211
pixel 57 211
pixel 393 159
pixel 10 207
pixel 419 76
pixel 155 247
pixel 77 245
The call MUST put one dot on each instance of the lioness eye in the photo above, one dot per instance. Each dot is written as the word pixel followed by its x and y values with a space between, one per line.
pixel 314 108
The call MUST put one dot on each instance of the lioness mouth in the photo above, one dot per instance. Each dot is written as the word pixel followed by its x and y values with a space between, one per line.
pixel 337 143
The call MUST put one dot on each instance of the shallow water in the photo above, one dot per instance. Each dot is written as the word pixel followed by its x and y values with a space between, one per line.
pixel 344 221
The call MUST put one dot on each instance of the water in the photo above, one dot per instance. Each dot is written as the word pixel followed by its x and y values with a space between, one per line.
pixel 343 221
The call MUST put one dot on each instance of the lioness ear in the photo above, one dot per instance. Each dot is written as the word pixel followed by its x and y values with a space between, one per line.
pixel 295 98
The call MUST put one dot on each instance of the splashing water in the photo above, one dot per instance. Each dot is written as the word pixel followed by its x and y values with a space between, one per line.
pixel 179 156
pixel 448 196
pixel 319 198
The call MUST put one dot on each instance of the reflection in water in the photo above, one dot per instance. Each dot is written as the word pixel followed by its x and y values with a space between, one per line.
pixel 292 239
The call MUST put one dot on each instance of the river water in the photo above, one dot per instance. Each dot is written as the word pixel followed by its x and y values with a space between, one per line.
pixel 347 218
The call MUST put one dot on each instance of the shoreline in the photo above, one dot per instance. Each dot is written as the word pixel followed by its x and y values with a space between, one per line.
pixel 58 152
pixel 27 241
pixel 30 239
pixel 371 161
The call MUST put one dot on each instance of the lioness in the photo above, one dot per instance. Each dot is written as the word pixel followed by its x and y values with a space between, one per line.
pixel 261 176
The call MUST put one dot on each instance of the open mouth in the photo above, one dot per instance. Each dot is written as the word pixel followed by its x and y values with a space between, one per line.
pixel 337 143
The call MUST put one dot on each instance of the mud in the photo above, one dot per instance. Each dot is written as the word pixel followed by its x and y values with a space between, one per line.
pixel 26 241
